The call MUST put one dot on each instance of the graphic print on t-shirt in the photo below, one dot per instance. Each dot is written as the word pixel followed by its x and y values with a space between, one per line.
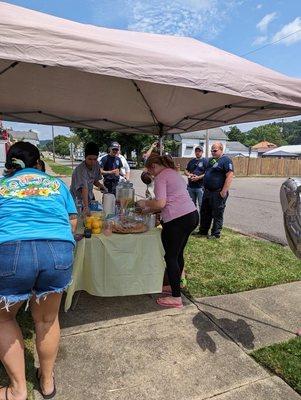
pixel 29 185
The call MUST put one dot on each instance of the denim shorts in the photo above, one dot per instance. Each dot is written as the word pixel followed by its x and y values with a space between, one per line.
pixel 34 267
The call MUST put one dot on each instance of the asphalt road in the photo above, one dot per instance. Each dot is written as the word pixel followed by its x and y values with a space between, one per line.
pixel 253 206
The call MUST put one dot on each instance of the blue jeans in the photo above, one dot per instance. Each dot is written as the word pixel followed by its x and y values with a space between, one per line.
pixel 196 195
pixel 36 267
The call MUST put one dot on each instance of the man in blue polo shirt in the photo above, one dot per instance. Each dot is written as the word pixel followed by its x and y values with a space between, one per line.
pixel 195 172
pixel 217 181
pixel 110 167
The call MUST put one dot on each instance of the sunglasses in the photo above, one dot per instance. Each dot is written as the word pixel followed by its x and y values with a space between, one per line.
pixel 214 151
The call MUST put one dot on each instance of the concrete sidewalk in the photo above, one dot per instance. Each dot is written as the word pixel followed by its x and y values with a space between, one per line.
pixel 129 348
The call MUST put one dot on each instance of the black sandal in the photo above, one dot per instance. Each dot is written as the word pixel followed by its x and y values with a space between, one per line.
pixel 45 396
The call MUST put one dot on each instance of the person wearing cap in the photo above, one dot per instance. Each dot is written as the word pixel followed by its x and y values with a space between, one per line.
pixel 110 167
pixel 85 175
pixel 195 171
pixel 125 170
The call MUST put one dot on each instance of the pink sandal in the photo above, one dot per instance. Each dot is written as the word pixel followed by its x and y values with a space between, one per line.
pixel 169 302
pixel 166 290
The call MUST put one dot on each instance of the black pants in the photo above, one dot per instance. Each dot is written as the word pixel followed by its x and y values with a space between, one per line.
pixel 174 237
pixel 213 207
pixel 111 186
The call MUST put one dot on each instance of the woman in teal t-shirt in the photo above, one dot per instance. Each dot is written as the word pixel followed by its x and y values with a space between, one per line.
pixel 37 216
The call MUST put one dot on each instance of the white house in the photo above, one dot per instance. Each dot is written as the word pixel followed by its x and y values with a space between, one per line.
pixel 190 140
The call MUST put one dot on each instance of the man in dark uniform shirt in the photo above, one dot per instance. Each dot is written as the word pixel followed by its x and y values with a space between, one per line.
pixel 110 167
pixel 217 181
pixel 195 172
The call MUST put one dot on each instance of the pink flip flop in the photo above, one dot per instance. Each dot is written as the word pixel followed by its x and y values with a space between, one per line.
pixel 166 291
pixel 169 302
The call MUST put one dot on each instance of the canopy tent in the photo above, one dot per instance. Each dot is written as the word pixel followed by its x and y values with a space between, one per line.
pixel 58 72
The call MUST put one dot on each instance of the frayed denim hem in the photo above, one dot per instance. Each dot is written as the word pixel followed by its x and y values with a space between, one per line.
pixel 11 300
pixel 45 294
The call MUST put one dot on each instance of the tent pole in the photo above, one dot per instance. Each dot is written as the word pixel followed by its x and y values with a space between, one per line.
pixel 207 143
pixel 161 138
pixel 53 147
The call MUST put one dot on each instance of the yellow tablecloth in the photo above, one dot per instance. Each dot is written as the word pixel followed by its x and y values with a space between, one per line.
pixel 118 265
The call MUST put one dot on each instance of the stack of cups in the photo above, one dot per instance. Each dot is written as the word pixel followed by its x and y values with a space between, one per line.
pixel 108 204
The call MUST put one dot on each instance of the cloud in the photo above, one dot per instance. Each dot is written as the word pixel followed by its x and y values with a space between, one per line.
pixel 263 24
pixel 196 18
pixel 289 29
pixel 260 40
pixel 259 6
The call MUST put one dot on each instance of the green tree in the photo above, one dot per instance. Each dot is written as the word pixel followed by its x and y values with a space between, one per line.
pixel 128 142
pixel 271 133
pixel 61 145
pixel 236 135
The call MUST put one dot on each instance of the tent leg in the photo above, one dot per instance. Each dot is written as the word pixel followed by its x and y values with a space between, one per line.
pixel 161 138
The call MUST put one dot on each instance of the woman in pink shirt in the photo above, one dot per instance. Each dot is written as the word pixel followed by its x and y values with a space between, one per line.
pixel 179 218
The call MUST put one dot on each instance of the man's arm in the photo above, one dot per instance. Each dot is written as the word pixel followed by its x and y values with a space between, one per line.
pixel 195 178
pixel 149 152
pixel 85 198
pixel 99 185
pixel 227 184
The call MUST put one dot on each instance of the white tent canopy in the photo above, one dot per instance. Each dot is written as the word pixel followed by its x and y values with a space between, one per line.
pixel 58 72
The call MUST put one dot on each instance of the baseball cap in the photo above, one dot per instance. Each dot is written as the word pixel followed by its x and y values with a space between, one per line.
pixel 114 145
pixel 199 148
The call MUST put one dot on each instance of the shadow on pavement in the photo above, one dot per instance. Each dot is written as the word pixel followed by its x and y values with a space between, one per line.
pixel 240 331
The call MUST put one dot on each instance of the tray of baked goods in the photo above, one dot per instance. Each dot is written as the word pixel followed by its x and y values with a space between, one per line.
pixel 132 223
pixel 129 227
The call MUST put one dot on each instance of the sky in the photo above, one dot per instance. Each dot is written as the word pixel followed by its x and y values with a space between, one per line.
pixel 243 27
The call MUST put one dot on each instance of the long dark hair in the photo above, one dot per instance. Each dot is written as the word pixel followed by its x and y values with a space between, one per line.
pixel 166 161
pixel 21 155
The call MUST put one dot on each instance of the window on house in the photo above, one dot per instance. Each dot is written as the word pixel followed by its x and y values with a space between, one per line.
pixel 188 151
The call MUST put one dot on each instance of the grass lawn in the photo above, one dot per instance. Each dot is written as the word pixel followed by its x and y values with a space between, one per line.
pixel 59 169
pixel 26 323
pixel 284 360
pixel 236 263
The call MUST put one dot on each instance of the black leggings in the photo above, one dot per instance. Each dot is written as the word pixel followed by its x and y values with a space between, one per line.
pixel 175 234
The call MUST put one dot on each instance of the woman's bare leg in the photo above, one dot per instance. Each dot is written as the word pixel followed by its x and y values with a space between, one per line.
pixel 47 328
pixel 12 353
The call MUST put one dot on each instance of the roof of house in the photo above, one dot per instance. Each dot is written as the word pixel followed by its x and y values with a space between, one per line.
pixel 214 134
pixel 293 149
pixel 279 153
pixel 19 135
pixel 236 147
pixel 264 145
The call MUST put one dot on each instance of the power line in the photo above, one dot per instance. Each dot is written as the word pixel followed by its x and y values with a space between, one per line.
pixel 269 44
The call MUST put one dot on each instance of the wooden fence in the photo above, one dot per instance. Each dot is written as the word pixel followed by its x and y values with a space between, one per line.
pixel 258 166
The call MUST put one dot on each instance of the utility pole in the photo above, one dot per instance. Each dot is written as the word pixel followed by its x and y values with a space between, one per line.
pixel 207 143
pixel 53 147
